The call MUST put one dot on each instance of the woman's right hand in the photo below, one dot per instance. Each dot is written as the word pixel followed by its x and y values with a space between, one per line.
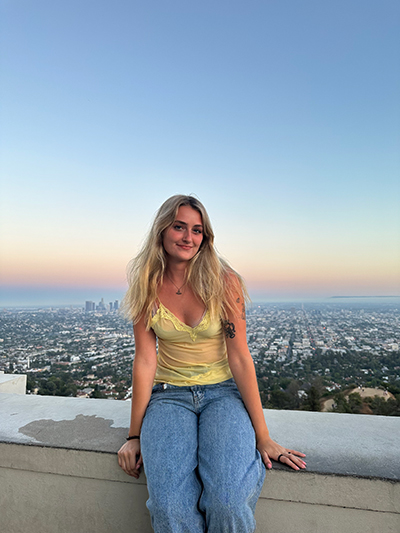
pixel 130 458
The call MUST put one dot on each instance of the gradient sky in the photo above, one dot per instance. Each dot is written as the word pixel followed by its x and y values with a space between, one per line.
pixel 282 117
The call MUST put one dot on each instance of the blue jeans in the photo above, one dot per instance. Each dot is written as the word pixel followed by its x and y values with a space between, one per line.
pixel 203 470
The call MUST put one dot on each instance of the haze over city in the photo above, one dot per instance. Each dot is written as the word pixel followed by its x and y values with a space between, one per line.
pixel 283 118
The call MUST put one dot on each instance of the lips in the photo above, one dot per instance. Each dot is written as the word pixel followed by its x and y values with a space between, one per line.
pixel 184 247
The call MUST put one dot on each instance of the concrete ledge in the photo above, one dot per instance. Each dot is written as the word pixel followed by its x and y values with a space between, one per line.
pixel 59 471
pixel 335 443
pixel 13 383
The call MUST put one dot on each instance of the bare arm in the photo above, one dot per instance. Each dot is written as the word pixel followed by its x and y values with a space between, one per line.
pixel 242 368
pixel 143 372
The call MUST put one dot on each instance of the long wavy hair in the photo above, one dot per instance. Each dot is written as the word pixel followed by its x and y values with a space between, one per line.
pixel 211 278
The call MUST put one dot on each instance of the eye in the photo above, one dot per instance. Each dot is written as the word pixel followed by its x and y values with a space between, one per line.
pixel 198 231
pixel 177 227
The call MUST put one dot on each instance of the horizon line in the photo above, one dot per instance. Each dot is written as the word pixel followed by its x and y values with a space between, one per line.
pixel 306 299
pixel 370 296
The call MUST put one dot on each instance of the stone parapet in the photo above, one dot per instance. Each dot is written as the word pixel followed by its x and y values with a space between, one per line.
pixel 13 383
pixel 59 471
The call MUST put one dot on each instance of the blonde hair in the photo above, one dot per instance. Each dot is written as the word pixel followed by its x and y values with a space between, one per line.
pixel 210 276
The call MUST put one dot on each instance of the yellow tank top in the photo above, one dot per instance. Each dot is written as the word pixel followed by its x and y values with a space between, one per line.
pixel 186 355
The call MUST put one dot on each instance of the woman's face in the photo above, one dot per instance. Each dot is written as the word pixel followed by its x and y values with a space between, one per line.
pixel 183 238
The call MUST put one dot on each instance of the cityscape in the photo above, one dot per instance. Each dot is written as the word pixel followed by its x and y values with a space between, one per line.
pixel 282 119
pixel 333 357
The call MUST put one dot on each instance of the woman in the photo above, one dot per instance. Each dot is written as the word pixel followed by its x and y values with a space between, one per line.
pixel 197 422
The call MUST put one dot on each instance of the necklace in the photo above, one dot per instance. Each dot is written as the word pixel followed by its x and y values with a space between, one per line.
pixel 178 292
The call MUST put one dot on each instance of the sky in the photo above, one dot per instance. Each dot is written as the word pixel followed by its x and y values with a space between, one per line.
pixel 283 118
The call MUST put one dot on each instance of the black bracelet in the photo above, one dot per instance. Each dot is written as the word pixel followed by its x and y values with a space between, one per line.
pixel 133 437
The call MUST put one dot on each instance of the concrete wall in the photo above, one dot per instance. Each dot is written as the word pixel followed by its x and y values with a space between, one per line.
pixel 58 476
pixel 13 383
pixel 54 490
pixel 51 490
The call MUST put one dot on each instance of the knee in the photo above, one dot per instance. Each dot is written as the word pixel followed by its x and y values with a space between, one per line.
pixel 166 509
pixel 223 499
pixel 225 505
pixel 173 510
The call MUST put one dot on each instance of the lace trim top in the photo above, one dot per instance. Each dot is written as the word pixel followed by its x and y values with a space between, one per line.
pixel 189 355
pixel 163 312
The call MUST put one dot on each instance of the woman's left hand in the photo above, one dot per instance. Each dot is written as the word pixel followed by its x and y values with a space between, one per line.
pixel 270 449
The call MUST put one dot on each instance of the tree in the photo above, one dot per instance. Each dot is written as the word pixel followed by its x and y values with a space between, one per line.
pixel 312 402
pixel 341 405
pixel 279 399
pixel 355 402
pixel 293 392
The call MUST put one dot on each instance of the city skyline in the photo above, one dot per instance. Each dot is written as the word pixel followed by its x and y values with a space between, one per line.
pixel 282 118
pixel 77 352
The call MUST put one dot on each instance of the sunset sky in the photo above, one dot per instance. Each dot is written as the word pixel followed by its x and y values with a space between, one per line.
pixel 282 117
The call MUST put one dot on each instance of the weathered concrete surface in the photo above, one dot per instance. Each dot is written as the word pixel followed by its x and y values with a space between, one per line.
pixel 335 443
pixel 291 517
pixel 59 471
pixel 13 383
pixel 339 443
pixel 55 490
pixel 85 424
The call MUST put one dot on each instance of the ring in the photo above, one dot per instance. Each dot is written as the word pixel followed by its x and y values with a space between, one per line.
pixel 279 458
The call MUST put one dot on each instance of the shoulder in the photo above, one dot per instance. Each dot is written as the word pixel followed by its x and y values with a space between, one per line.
pixel 142 329
pixel 231 279
pixel 235 290
pixel 235 299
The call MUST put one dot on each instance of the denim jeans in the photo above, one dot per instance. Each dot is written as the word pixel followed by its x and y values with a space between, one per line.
pixel 204 473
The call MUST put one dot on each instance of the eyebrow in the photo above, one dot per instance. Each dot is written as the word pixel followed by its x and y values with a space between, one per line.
pixel 185 223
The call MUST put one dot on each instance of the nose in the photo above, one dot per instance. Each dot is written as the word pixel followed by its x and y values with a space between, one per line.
pixel 187 236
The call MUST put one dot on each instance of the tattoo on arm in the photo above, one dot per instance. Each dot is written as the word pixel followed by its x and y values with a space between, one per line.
pixel 229 328
pixel 243 315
